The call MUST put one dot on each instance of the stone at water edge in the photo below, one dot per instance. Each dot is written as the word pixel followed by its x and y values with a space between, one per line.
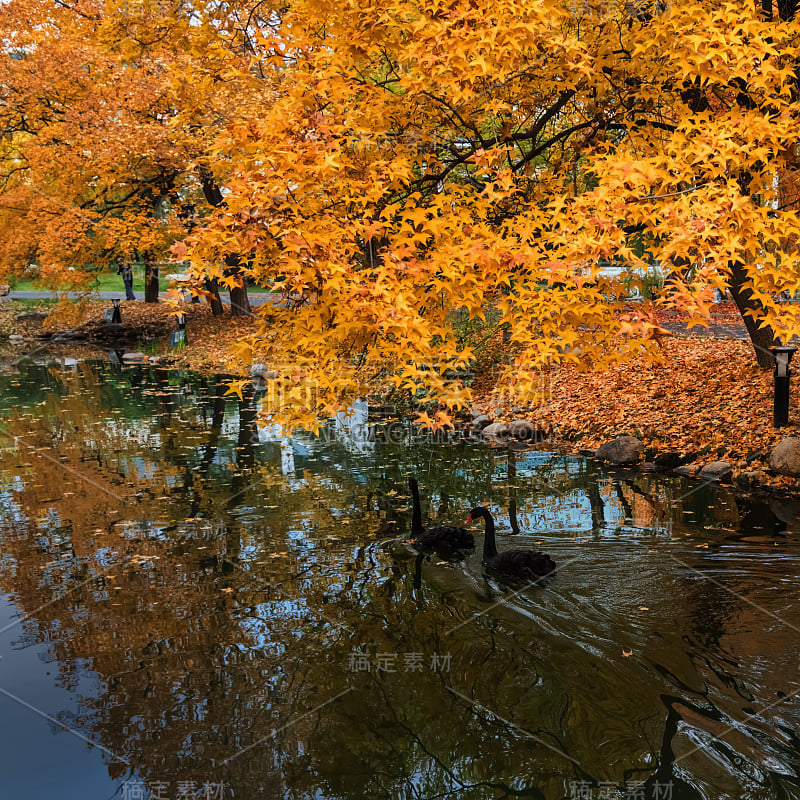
pixel 523 429
pixel 715 471
pixel 261 371
pixel 4 289
pixel 496 429
pixel 15 338
pixel 785 458
pixel 748 479
pixel 622 450
pixel 687 470
pixel 481 421
pixel 134 358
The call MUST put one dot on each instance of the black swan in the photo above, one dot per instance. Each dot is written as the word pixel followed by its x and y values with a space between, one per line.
pixel 442 538
pixel 522 563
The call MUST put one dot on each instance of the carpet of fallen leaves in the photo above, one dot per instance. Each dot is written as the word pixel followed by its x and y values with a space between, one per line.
pixel 147 328
pixel 210 339
pixel 721 314
pixel 707 401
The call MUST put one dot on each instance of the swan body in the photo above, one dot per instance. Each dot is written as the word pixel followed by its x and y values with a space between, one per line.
pixel 529 564
pixel 444 537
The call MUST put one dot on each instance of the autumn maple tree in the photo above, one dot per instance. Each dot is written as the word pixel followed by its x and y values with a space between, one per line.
pixel 392 168
pixel 427 159
pixel 108 113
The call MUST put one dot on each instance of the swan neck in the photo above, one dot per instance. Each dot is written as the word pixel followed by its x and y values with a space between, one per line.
pixel 489 547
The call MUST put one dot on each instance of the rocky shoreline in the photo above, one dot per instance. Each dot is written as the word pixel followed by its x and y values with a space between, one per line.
pixel 782 461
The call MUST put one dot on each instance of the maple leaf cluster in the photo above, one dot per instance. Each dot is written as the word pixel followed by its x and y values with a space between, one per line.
pixel 412 162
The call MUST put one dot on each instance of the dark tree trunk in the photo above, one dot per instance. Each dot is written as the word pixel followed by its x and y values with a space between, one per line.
pixel 150 281
pixel 240 303
pixel 761 338
pixel 213 290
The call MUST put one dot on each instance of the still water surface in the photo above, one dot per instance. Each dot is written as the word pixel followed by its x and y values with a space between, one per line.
pixel 192 607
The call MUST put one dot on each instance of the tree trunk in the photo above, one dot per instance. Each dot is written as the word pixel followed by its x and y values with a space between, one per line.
pixel 215 302
pixel 150 282
pixel 240 303
pixel 761 338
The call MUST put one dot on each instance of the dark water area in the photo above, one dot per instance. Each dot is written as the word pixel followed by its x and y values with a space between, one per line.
pixel 191 606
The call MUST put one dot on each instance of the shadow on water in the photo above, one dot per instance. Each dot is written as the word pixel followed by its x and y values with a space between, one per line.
pixel 220 609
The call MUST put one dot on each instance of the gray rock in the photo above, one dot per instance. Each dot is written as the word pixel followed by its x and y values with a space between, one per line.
pixel 262 371
pixel 496 429
pixel 134 358
pixel 15 338
pixel 785 458
pixel 481 421
pixel 649 466
pixel 523 429
pixel 716 471
pixel 687 470
pixel 588 452
pixel 622 450
pixel 4 289
pixel 748 479
pixel 67 336
pixel 31 316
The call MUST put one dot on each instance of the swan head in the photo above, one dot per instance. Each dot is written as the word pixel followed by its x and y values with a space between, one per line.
pixel 479 512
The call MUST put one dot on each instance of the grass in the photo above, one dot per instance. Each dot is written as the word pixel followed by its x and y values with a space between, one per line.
pixel 107 282
pixel 33 303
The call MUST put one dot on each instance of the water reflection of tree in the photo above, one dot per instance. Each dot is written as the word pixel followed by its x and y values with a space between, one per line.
pixel 226 603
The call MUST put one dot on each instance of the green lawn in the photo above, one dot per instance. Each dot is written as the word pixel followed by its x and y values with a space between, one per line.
pixel 113 283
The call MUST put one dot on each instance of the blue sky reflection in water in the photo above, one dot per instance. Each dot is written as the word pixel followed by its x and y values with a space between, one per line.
pixel 226 613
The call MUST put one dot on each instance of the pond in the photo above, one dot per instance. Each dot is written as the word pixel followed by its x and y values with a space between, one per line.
pixel 194 607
